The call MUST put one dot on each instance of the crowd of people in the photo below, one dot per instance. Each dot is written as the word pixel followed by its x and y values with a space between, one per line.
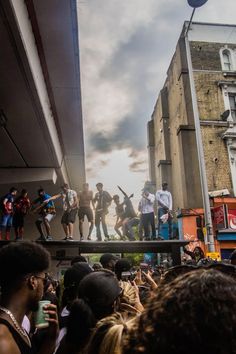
pixel 112 308
pixel 14 209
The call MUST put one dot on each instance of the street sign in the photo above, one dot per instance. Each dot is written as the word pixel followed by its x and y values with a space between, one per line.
pixel 196 3
pixel 219 217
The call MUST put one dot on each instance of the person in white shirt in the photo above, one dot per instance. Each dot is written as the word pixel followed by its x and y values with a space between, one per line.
pixel 164 202
pixel 70 207
pixel 146 208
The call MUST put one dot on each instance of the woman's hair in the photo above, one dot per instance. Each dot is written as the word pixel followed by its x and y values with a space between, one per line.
pixel 194 313
pixel 107 336
pixel 97 294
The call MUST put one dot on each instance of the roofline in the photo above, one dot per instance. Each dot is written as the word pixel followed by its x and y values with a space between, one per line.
pixel 211 24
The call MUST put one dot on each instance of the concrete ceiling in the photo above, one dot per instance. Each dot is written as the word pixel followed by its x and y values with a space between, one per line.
pixel 44 126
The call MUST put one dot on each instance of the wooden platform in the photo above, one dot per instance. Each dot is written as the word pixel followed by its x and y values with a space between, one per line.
pixel 170 246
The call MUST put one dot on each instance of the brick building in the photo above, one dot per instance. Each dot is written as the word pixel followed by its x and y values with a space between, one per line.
pixel 171 133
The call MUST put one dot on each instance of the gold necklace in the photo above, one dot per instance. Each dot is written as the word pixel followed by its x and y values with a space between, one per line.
pixel 21 330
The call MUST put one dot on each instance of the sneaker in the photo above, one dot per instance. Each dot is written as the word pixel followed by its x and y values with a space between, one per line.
pixel 49 238
pixel 89 238
pixel 160 238
pixel 70 238
pixel 81 238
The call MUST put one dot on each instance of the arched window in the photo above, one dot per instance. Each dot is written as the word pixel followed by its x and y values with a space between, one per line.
pixel 227 60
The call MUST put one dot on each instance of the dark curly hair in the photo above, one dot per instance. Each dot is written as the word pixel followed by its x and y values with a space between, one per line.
pixel 195 313
pixel 19 259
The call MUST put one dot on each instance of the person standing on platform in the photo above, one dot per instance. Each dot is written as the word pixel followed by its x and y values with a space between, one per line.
pixel 7 212
pixel 70 207
pixel 47 213
pixel 101 202
pixel 119 215
pixel 164 202
pixel 85 199
pixel 21 208
pixel 146 208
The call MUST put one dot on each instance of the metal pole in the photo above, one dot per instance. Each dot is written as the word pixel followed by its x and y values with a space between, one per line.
pixel 201 159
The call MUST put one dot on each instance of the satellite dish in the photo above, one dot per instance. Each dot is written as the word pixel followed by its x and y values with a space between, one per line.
pixel 196 3
pixel 225 115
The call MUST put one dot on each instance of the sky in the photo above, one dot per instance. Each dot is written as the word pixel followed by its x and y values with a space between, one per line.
pixel 125 50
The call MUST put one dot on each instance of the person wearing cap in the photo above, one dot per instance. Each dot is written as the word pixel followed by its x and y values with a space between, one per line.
pixel 164 202
pixel 70 207
pixel 122 265
pixel 108 261
pixel 146 208
pixel 101 202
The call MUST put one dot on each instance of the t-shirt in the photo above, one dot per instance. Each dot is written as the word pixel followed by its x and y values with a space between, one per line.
pixel 22 205
pixel 103 200
pixel 49 208
pixel 164 199
pixel 146 205
pixel 69 199
pixel 7 208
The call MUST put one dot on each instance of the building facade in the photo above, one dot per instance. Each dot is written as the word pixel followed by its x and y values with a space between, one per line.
pixel 171 132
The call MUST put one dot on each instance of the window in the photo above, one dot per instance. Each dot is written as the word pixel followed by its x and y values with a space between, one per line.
pixel 227 62
pixel 232 103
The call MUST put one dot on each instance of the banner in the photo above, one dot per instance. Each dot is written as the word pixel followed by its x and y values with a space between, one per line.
pixel 219 217
pixel 232 219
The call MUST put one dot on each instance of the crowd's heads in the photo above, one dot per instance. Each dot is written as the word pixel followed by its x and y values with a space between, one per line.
pixel 13 191
pixel 97 266
pixel 108 261
pixel 41 192
pixel 22 269
pixel 233 258
pixel 98 293
pixel 195 312
pixel 77 259
pixel 122 265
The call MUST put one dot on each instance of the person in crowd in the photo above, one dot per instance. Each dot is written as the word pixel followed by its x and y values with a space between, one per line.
pixel 196 311
pixel 119 215
pixel 22 276
pixel 72 279
pixel 97 266
pixel 21 208
pixel 108 261
pixel 101 202
pixel 164 202
pixel 122 265
pixel 146 208
pixel 6 211
pixel 233 258
pixel 85 199
pixel 77 259
pixel 196 255
pixel 99 294
pixel 47 212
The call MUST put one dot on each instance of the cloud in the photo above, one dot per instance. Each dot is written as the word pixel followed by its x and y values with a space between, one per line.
pixel 138 166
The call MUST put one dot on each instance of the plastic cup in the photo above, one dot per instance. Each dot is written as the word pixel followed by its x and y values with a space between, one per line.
pixel 41 318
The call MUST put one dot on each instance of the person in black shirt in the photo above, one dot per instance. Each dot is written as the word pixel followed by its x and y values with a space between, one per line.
pixel 101 202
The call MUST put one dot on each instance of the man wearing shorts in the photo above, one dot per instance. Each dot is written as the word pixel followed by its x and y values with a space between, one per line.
pixel 70 207
pixel 47 213
pixel 85 199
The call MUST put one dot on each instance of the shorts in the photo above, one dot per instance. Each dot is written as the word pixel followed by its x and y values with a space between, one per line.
pixel 85 211
pixel 68 217
pixel 6 220
pixel 48 217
